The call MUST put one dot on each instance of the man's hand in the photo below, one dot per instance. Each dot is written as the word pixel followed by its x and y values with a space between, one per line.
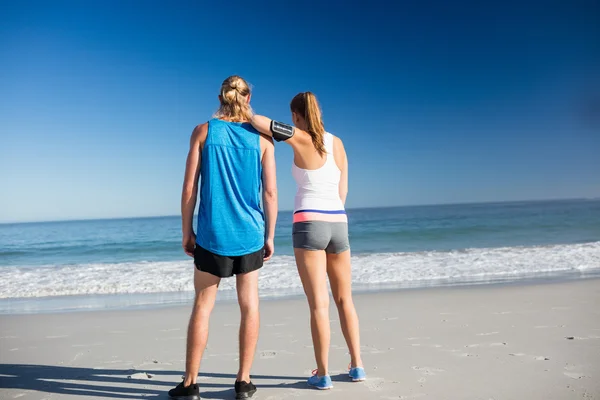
pixel 189 243
pixel 269 249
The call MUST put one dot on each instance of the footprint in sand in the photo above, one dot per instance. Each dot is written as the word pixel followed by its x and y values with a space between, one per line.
pixel 390 319
pixel 503 312
pixel 140 375
pixel 571 372
pixel 487 333
pixel 574 375
pixel 268 354
pixel 583 337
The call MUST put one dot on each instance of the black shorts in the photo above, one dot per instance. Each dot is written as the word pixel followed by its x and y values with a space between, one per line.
pixel 225 266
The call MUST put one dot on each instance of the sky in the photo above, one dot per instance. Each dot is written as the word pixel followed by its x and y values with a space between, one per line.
pixel 436 102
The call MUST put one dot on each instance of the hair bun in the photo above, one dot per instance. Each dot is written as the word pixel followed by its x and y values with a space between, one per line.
pixel 235 84
pixel 229 96
pixel 235 106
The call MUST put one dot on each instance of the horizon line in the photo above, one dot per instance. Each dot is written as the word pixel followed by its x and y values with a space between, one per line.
pixel 281 211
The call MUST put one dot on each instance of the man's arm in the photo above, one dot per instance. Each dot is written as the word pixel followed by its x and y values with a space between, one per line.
pixel 189 193
pixel 269 184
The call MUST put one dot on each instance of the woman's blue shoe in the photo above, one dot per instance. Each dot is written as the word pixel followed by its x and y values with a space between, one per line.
pixel 357 374
pixel 320 382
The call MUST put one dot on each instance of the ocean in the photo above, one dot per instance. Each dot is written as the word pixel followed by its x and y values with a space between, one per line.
pixel 99 264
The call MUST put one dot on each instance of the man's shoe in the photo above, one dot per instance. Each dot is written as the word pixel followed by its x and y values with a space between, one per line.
pixel 244 390
pixel 181 392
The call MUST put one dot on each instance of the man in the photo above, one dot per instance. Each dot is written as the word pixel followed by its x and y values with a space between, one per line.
pixel 234 161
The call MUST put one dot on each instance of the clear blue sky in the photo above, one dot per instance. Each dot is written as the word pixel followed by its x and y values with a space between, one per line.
pixel 436 102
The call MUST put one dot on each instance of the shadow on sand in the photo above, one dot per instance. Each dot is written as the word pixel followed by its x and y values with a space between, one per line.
pixel 120 383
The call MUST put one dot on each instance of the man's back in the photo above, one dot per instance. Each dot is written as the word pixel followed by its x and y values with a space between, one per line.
pixel 230 218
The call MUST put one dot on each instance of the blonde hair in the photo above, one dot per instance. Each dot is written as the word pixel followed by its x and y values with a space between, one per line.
pixel 306 105
pixel 234 100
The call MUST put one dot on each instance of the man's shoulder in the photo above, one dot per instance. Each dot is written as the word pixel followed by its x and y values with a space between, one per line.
pixel 200 131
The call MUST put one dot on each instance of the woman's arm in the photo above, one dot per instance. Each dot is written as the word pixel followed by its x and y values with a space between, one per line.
pixel 263 125
pixel 341 160
pixel 190 188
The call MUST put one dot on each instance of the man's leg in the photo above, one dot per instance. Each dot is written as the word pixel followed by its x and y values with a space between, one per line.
pixel 206 286
pixel 247 291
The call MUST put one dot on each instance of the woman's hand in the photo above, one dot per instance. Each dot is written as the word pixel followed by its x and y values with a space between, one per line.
pixel 189 244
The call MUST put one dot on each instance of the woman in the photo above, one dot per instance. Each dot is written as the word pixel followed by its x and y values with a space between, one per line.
pixel 320 230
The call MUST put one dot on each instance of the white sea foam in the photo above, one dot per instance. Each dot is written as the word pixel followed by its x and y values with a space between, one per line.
pixel 280 276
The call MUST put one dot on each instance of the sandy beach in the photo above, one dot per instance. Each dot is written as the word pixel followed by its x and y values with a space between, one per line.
pixel 497 342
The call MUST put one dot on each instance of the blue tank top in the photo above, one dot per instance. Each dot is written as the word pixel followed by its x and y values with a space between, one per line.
pixel 230 218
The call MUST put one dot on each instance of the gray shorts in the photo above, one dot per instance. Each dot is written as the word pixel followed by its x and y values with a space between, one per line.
pixel 320 235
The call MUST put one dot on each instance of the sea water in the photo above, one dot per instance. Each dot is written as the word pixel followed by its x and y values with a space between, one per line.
pixel 54 266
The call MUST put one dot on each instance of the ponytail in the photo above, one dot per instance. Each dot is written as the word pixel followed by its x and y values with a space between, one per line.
pixel 234 105
pixel 306 104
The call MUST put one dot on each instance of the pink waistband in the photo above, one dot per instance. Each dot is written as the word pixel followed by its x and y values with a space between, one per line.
pixel 316 216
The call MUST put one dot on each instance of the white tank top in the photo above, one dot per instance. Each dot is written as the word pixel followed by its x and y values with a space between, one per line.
pixel 318 189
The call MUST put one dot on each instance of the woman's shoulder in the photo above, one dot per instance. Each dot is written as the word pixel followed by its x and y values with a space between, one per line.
pixel 335 139
pixel 338 148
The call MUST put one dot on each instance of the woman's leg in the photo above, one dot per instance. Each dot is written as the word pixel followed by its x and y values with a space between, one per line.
pixel 312 267
pixel 340 278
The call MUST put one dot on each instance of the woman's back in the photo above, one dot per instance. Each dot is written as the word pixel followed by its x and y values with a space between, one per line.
pixel 318 189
